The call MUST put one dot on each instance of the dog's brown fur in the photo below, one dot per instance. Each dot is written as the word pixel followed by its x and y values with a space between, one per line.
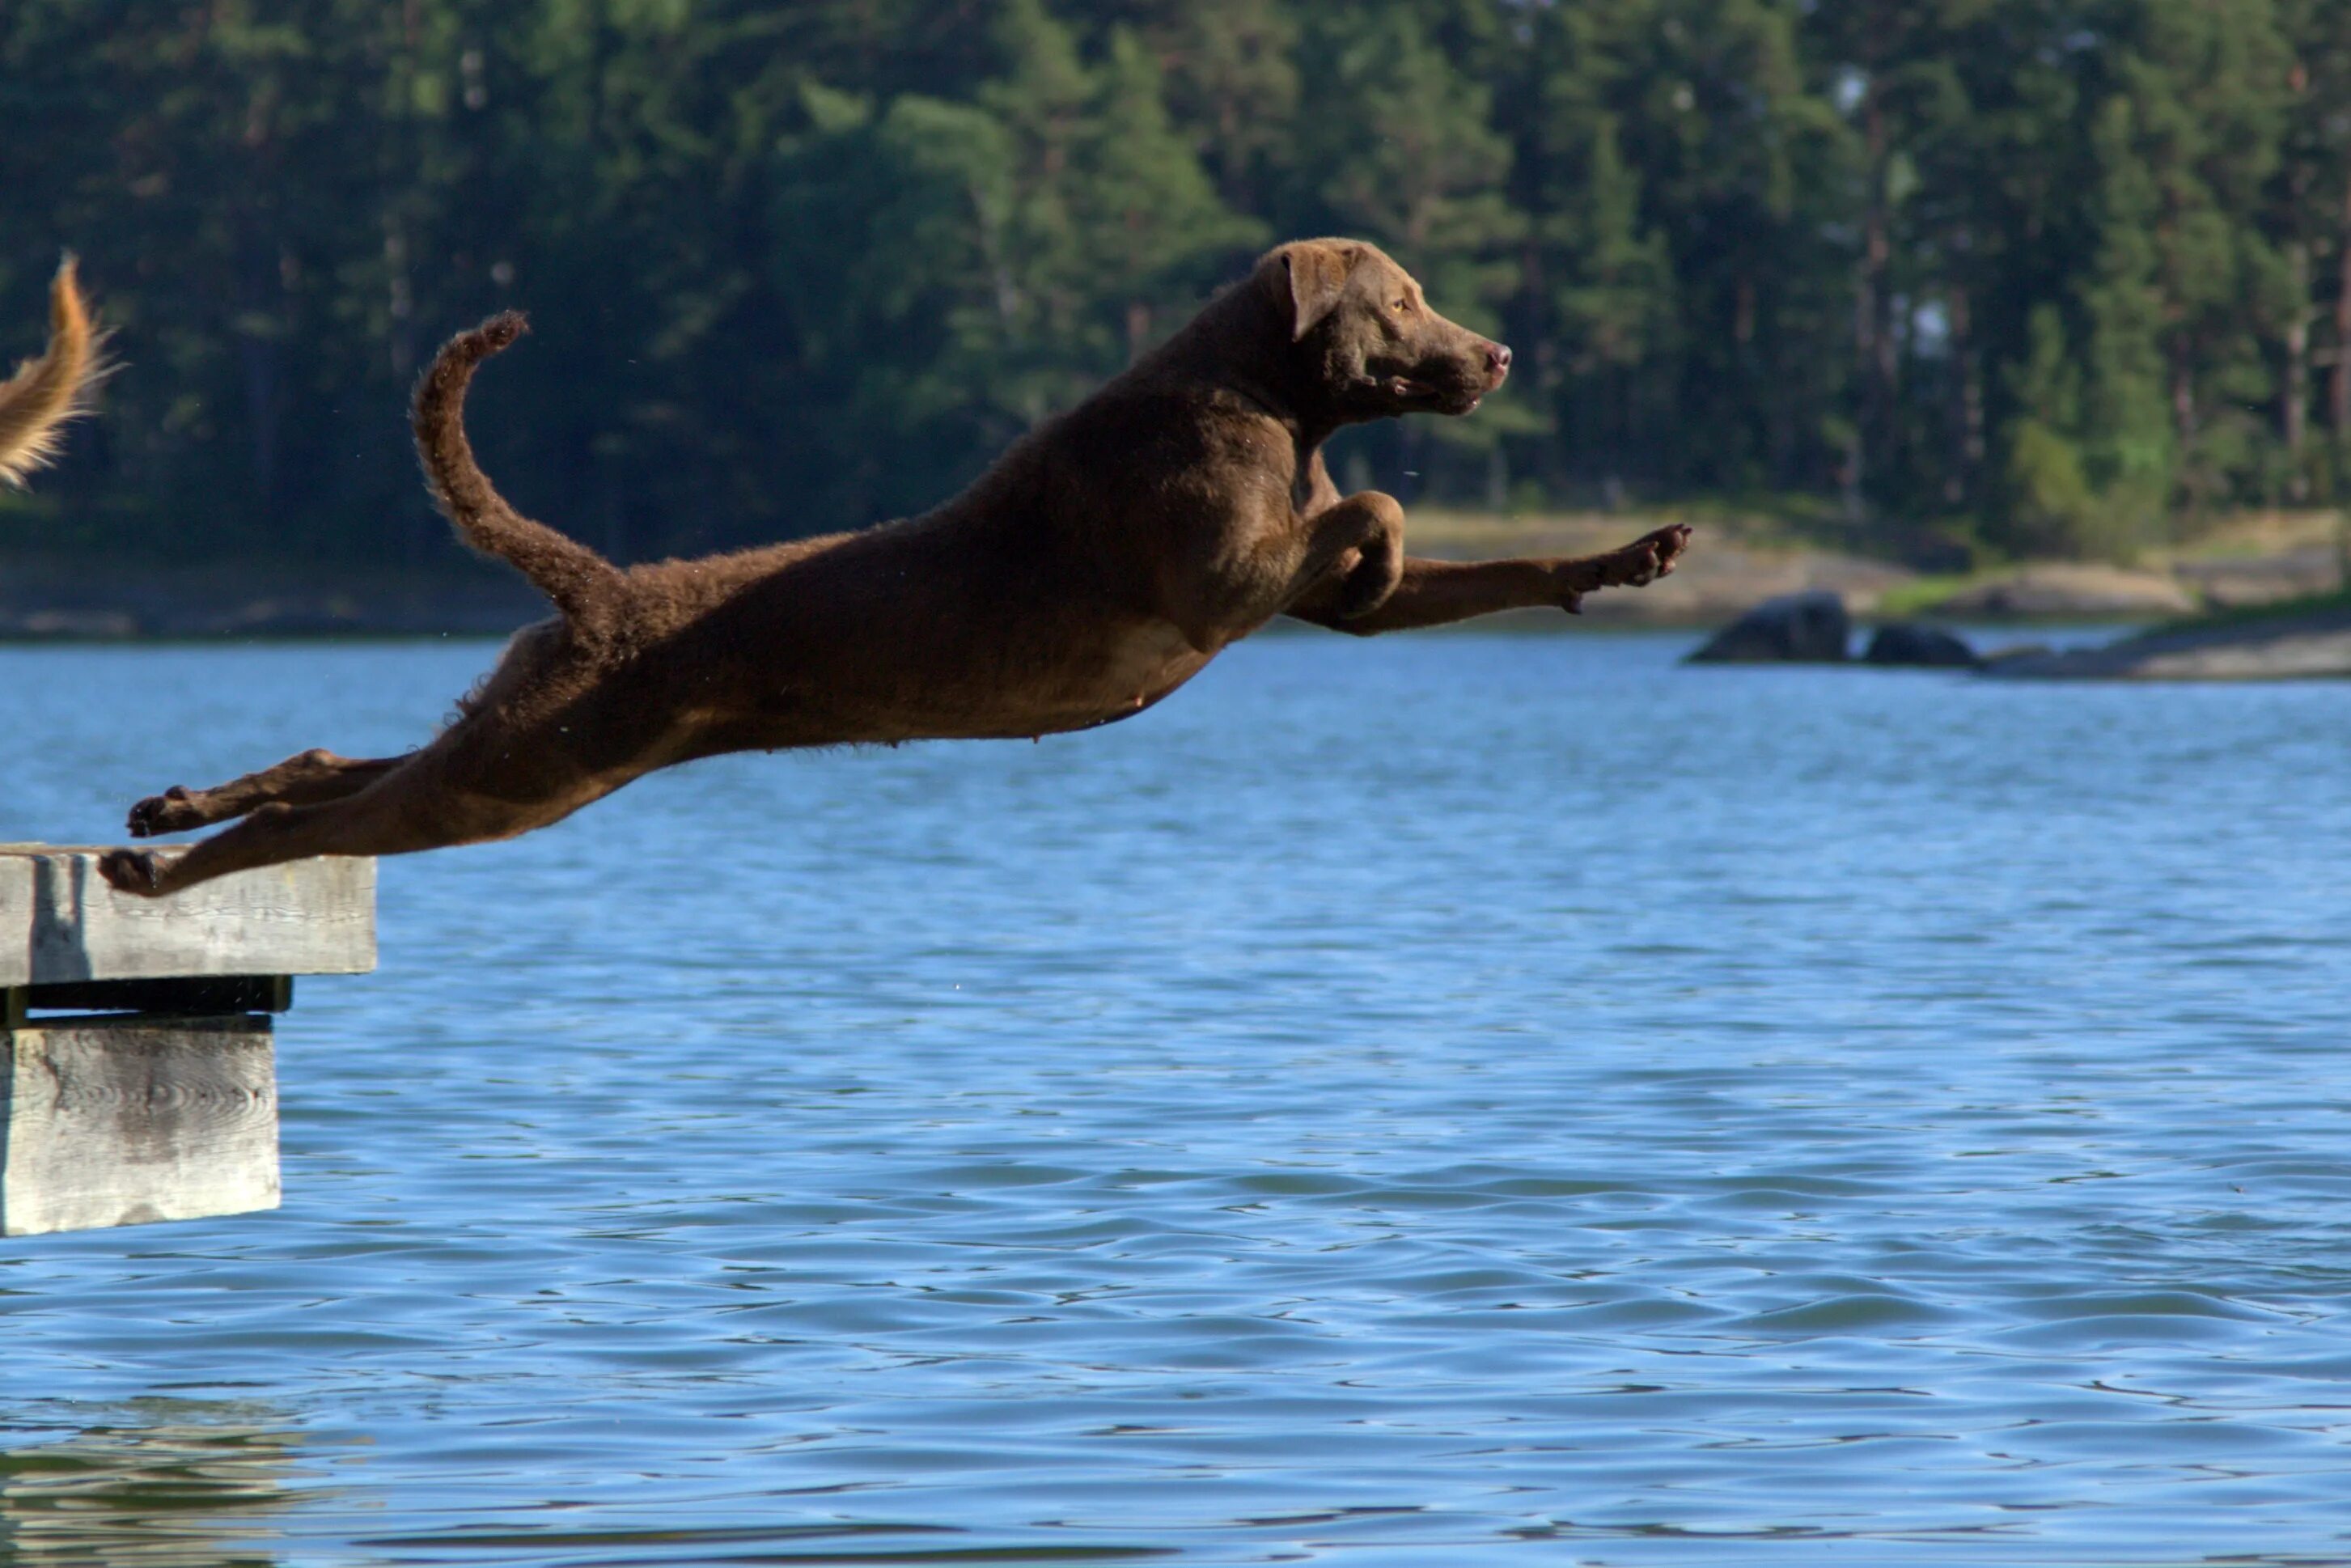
pixel 1098 566
pixel 36 402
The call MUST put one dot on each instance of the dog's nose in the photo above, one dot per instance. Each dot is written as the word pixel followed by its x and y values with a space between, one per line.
pixel 1498 361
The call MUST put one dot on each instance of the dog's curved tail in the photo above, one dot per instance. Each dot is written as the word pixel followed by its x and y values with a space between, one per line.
pixel 45 394
pixel 586 587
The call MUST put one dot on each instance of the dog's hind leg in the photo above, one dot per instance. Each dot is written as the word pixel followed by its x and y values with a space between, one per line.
pixel 411 808
pixel 307 779
pixel 469 787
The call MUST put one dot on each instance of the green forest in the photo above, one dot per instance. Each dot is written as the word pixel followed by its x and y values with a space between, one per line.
pixel 1974 277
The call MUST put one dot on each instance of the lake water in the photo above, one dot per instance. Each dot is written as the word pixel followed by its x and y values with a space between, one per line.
pixel 1466 1099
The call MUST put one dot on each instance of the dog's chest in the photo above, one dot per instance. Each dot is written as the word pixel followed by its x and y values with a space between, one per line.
pixel 1311 490
pixel 1146 659
pixel 1112 674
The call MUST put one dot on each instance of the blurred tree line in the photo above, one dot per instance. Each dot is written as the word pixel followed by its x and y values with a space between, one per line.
pixel 2048 276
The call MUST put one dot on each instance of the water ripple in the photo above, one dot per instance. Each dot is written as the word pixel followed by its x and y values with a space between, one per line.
pixel 1467 1099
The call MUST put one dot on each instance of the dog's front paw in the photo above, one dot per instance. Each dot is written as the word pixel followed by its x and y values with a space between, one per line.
pixel 133 871
pixel 1637 565
pixel 1646 559
pixel 172 811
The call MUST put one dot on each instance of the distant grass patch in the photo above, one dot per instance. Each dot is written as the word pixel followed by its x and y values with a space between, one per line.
pixel 1924 595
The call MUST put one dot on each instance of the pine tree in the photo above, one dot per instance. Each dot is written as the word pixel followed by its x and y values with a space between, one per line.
pixel 2056 274
pixel 1599 287
pixel 1744 165
pixel 1157 237
pixel 2207 80
pixel 1401 154
pixel 1232 83
pixel 2311 223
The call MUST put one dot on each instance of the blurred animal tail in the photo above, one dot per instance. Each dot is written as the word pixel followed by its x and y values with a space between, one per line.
pixel 45 394
pixel 585 587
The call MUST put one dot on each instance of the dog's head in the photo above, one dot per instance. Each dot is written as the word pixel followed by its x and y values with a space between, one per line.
pixel 1365 337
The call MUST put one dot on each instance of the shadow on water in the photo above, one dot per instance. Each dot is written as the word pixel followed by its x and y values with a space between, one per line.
pixel 160 1482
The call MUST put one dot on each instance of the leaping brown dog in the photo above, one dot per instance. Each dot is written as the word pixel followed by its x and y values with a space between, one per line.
pixel 36 402
pixel 1106 558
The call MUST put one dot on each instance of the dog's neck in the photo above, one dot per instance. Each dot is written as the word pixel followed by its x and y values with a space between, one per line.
pixel 1240 343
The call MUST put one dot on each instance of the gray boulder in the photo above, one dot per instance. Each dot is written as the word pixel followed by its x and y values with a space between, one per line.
pixel 1808 628
pixel 1907 643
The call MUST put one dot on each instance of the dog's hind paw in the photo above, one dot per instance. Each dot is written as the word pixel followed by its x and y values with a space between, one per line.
pixel 133 871
pixel 171 812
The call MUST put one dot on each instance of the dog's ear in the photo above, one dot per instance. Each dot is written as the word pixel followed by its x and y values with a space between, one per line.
pixel 1316 271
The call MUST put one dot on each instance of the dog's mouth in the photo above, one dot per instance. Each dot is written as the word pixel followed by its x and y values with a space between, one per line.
pixel 1412 394
pixel 1416 393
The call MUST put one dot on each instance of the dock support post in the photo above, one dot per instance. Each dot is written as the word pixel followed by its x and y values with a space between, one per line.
pixel 138 1077
pixel 124 1120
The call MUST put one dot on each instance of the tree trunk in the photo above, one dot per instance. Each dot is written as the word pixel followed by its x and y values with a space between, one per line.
pixel 1966 414
pixel 1881 250
pixel 2294 402
pixel 2338 392
pixel 2183 394
pixel 257 356
pixel 1873 345
pixel 400 301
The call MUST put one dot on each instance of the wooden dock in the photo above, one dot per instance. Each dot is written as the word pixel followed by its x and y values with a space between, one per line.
pixel 137 1078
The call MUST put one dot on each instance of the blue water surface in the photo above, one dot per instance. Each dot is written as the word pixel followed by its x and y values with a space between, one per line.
pixel 1463 1099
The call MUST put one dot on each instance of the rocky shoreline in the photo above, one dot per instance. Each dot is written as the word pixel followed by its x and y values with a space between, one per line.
pixel 2306 643
pixel 2314 645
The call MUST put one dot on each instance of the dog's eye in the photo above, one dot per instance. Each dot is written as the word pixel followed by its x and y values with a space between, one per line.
pixel 1401 306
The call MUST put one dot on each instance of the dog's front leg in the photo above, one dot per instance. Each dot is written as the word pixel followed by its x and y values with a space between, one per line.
pixel 1354 554
pixel 1437 593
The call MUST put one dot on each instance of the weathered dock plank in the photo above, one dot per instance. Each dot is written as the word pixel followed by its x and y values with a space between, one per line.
pixel 112 1122
pixel 60 921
